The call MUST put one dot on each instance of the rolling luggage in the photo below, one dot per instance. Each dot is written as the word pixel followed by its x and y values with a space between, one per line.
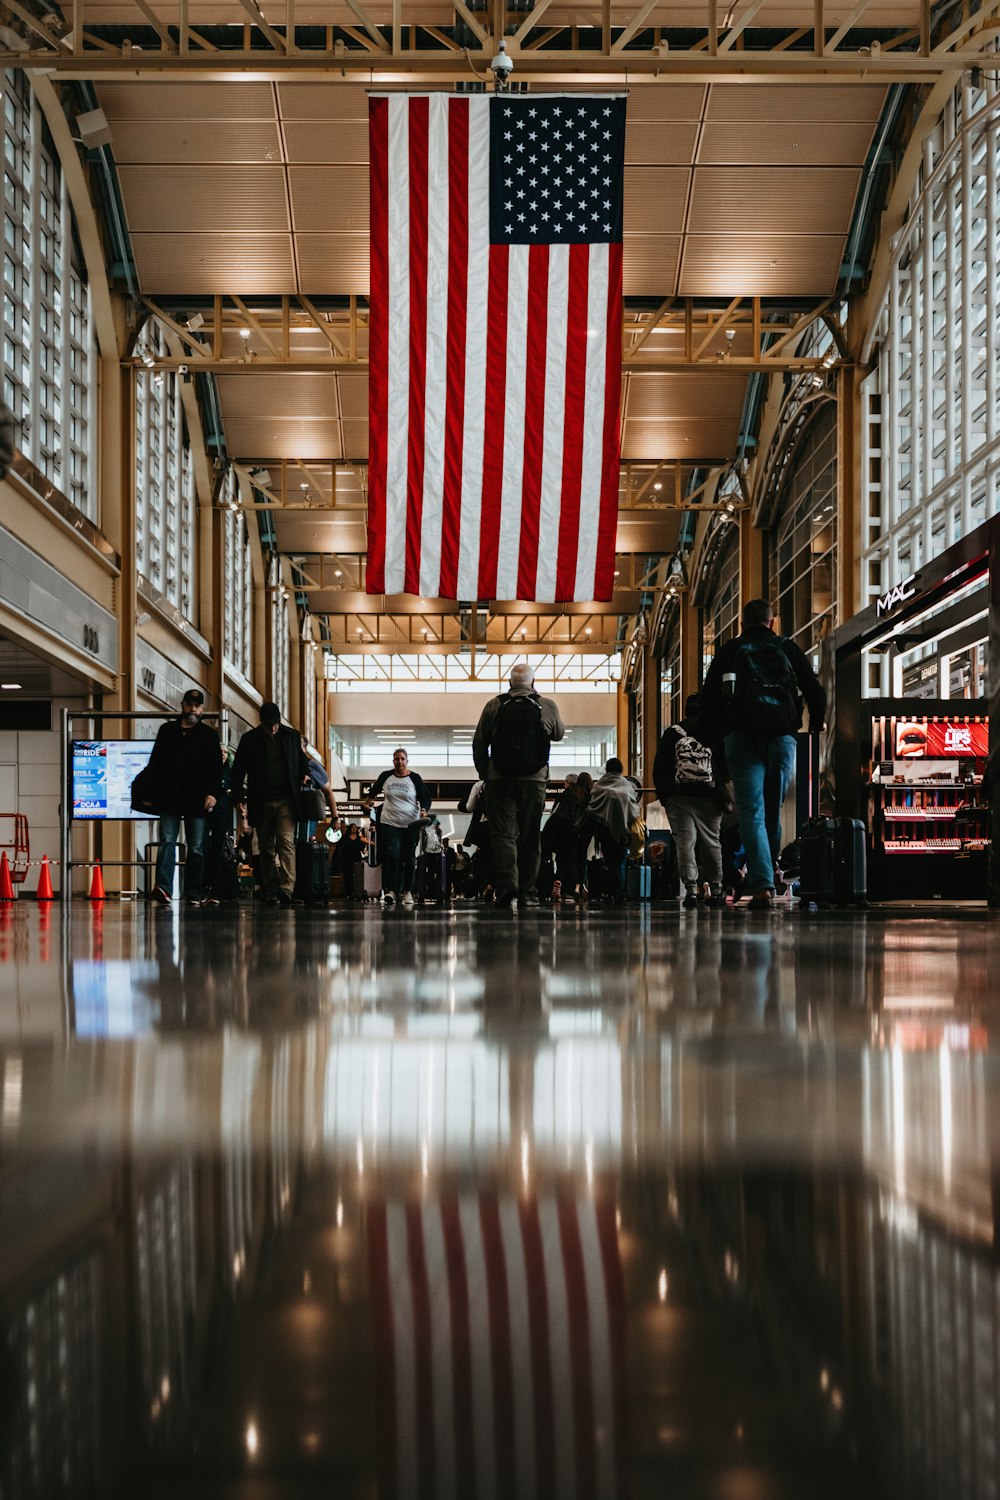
pixel 357 891
pixel 373 882
pixel 833 861
pixel 310 872
pixel 432 878
pixel 338 886
pixel 638 883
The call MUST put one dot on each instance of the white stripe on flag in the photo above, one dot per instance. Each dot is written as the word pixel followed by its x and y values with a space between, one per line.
pixel 520 1349
pixel 397 422
pixel 559 1343
pixel 441 1352
pixel 479 1340
pixel 476 333
pixel 437 345
pixel 404 1351
pixel 513 438
pixel 601 1374
pixel 593 423
pixel 555 421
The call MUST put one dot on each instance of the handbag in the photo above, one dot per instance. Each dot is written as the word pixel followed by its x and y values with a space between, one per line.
pixel 144 797
pixel 311 805
pixel 637 838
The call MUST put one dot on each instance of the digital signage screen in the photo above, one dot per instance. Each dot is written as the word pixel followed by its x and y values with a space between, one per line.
pixel 102 773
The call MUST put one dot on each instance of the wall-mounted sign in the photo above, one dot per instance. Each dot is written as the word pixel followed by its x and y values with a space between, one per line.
pixel 896 596
pixel 932 738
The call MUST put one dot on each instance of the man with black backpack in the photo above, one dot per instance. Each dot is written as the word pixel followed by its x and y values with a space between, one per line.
pixel 511 751
pixel 752 699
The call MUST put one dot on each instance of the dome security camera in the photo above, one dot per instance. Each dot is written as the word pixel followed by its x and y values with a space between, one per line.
pixel 501 66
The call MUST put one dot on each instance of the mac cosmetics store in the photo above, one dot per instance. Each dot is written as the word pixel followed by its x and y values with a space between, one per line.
pixel 914 749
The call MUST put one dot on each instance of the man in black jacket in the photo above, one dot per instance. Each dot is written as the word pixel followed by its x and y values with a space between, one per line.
pixel 186 772
pixel 752 698
pixel 270 763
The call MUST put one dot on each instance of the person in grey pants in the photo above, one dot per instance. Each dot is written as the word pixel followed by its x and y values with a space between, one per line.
pixel 511 751
pixel 688 786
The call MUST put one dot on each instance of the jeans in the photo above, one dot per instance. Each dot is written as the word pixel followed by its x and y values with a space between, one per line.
pixel 166 859
pixel 761 771
pixel 615 852
pixel 514 807
pixel 397 854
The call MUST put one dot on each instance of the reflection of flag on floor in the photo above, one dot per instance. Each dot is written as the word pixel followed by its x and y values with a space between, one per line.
pixel 495 345
pixel 500 1329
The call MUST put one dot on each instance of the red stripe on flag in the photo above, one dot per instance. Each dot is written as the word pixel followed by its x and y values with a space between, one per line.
pixel 419 126
pixel 541 1353
pixel 604 568
pixel 503 1375
pixel 378 342
pixel 579 1342
pixel 534 417
pixel 423 1372
pixel 458 1290
pixel 614 1289
pixel 458 283
pixel 378 1266
pixel 575 402
pixel 494 395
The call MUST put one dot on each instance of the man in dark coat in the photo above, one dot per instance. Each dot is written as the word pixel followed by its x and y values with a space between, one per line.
pixel 185 770
pixel 271 766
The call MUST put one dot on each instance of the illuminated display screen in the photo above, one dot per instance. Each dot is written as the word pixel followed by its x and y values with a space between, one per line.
pixel 102 775
pixel 935 739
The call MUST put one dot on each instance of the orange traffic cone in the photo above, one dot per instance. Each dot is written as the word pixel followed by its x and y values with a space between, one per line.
pixel 6 884
pixel 45 891
pixel 97 885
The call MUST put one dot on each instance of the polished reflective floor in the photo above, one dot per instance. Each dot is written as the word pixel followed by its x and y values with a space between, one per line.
pixel 646 1203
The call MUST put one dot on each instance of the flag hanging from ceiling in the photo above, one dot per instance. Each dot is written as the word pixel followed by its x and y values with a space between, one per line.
pixel 500 1341
pixel 495 345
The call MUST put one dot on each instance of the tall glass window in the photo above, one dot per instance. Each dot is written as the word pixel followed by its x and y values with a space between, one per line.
pixel 803 585
pixel 280 644
pixel 238 606
pixel 721 618
pixel 164 481
pixel 49 343
pixel 931 418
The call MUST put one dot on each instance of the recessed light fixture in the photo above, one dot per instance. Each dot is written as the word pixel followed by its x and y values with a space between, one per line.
pixel 10 687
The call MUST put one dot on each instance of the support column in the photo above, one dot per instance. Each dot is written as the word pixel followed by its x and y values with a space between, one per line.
pixel 213 598
pixel 621 723
pixel 650 713
pixel 690 628
pixel 751 559
pixel 849 450
pixel 296 666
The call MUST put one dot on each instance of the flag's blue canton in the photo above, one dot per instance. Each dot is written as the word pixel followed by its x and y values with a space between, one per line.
pixel 556 168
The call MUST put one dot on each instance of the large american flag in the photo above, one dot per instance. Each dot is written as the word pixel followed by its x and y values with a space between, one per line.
pixel 500 1333
pixel 495 345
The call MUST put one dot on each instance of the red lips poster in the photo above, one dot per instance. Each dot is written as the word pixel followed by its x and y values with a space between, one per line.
pixel 941 738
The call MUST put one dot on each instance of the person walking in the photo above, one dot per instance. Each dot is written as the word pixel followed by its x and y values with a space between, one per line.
pixel 510 749
pixel 615 803
pixel 686 783
pixel 567 834
pixel 267 774
pixel 405 800
pixel 185 777
pixel 752 699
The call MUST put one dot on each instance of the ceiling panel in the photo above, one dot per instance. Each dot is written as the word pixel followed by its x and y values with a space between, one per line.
pixel 835 103
pixel 203 264
pixel 186 101
pixel 186 141
pixel 778 143
pixel 319 141
pixel 676 101
pixel 355 439
pixel 761 265
pixel 689 395
pixel 655 200
pixel 298 532
pixel 354 398
pixel 772 200
pixel 243 201
pixel 278 393
pixel 660 141
pixel 329 199
pixel 332 263
pixel 321 101
pixel 710 439
pixel 273 437
pixel 649 264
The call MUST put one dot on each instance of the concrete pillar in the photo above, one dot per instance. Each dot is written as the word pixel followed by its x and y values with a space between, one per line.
pixel 751 559
pixel 849 450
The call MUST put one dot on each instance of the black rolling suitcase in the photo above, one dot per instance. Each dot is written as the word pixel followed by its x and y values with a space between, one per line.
pixel 833 862
pixel 310 872
pixel 432 878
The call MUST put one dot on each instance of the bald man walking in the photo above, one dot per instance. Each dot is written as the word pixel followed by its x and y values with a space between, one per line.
pixel 511 752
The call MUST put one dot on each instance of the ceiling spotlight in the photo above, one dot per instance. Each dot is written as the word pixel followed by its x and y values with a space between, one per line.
pixel 588 632
pixel 304 487
pixel 94 129
pixel 337 573
pixel 360 631
pixel 194 322
pixel 657 485
pixel 10 687
pixel 244 334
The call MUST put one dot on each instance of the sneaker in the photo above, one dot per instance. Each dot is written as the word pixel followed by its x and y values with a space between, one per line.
pixel 505 901
pixel 194 901
pixel 690 901
pixel 271 901
pixel 388 901
pixel 762 901
pixel 406 901
pixel 212 901
pixel 160 897
pixel 716 900
pixel 526 901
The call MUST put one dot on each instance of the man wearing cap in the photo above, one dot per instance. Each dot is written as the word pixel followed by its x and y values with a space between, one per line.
pixel 186 773
pixel 270 764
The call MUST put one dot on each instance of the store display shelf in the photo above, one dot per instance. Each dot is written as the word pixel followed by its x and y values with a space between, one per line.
pixel 942 814
pixel 934 846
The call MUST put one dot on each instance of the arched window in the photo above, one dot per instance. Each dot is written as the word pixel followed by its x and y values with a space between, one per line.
pixel 49 342
pixel 164 482
pixel 803 584
pixel 721 613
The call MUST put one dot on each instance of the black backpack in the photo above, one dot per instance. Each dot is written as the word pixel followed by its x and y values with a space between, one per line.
pixel 767 692
pixel 520 743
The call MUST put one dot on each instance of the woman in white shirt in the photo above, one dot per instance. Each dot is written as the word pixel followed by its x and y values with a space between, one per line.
pixel 405 800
